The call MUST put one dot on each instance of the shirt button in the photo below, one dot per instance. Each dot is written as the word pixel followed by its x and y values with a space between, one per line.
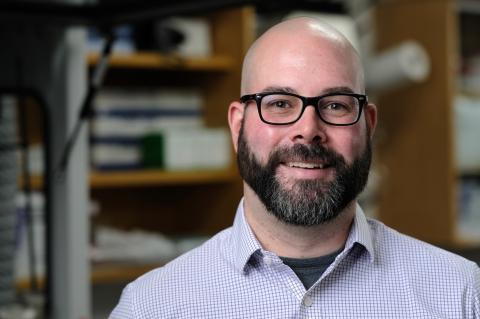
pixel 307 301
pixel 268 260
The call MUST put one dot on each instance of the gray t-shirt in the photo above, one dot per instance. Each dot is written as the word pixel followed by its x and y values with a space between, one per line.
pixel 309 270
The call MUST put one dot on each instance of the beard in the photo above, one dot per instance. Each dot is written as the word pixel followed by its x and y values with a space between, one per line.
pixel 305 202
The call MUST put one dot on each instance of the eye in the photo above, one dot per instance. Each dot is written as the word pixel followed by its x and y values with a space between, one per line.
pixel 280 104
pixel 336 106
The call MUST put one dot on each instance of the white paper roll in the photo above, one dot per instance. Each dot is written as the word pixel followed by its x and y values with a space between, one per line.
pixel 396 67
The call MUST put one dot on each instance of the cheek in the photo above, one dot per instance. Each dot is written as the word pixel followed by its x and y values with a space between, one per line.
pixel 349 141
pixel 261 138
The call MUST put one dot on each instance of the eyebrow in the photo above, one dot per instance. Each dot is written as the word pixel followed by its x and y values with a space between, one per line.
pixel 287 89
pixel 284 89
pixel 338 89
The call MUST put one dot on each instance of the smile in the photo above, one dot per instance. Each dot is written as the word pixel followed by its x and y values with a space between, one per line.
pixel 306 165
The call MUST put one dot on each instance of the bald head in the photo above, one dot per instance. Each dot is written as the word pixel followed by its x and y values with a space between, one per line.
pixel 299 37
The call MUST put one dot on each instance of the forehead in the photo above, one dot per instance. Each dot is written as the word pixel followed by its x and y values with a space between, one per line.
pixel 306 63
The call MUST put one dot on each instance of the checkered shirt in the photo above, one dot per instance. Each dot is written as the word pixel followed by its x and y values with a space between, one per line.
pixel 379 274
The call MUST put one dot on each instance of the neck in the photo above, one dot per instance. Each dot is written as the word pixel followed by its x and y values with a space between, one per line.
pixel 296 241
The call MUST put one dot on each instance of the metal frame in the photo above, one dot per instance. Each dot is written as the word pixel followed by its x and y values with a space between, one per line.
pixel 47 186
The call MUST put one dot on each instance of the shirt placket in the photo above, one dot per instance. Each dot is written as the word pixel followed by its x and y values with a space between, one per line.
pixel 285 276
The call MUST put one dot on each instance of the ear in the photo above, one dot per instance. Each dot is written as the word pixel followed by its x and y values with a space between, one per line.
pixel 370 112
pixel 235 117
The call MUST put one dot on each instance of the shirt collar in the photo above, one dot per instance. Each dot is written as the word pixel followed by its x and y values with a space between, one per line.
pixel 360 233
pixel 245 244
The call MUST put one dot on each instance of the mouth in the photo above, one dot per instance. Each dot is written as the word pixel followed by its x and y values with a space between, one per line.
pixel 300 170
pixel 307 165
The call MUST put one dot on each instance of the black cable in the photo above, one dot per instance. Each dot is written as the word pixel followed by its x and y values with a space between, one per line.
pixel 87 106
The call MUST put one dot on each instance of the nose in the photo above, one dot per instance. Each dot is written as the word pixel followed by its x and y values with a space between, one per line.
pixel 309 128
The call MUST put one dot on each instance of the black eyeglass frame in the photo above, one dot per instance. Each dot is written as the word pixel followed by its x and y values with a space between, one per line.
pixel 307 101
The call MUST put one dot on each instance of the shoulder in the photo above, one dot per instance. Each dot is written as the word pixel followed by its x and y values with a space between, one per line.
pixel 421 257
pixel 203 257
pixel 181 280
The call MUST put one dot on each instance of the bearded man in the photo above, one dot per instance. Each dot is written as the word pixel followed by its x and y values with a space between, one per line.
pixel 300 245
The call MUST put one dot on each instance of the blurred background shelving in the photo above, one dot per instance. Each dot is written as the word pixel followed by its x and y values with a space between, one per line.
pixel 152 177
pixel 107 273
pixel 421 194
pixel 422 184
pixel 218 77
pixel 179 204
pixel 416 143
pixel 152 60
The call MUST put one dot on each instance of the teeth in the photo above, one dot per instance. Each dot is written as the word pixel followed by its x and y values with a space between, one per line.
pixel 305 165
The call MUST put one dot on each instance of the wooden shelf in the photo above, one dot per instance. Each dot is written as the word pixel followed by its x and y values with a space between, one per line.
pixel 151 60
pixel 419 197
pixel 474 94
pixel 120 179
pixel 110 273
pixel 36 182
pixel 159 177
pixel 465 242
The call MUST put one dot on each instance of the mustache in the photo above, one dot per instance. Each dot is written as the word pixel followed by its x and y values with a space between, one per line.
pixel 302 152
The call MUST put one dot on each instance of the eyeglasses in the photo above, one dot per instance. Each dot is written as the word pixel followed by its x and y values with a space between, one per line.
pixel 282 108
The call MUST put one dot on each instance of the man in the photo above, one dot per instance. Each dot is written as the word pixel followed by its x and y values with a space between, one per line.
pixel 300 245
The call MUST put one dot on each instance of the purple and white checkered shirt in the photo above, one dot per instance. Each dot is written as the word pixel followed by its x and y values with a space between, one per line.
pixel 379 274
